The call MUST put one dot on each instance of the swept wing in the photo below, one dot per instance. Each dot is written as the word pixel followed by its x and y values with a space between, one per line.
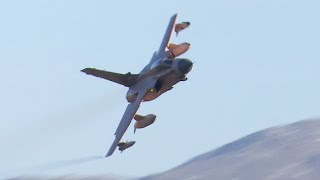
pixel 162 53
pixel 131 110
pixel 124 79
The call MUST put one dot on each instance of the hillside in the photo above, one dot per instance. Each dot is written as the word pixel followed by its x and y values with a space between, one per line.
pixel 282 152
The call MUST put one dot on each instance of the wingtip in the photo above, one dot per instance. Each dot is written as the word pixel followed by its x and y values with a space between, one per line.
pixel 108 155
pixel 175 15
pixel 86 70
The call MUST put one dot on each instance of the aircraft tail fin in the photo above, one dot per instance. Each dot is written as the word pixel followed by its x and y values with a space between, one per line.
pixel 124 79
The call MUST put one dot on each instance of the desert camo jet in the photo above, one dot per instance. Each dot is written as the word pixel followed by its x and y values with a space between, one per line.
pixel 162 72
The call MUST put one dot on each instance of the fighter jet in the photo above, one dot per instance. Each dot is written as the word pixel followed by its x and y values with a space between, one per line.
pixel 162 72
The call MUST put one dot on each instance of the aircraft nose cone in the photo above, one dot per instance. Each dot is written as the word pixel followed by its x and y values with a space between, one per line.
pixel 185 66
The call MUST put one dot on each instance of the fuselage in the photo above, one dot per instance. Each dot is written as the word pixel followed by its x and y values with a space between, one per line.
pixel 168 72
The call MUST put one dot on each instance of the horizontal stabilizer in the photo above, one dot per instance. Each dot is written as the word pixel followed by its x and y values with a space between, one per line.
pixel 124 79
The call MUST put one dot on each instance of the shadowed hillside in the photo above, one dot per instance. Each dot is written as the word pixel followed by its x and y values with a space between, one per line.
pixel 69 177
pixel 282 152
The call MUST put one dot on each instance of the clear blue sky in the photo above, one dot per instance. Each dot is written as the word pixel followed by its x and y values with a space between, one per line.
pixel 257 65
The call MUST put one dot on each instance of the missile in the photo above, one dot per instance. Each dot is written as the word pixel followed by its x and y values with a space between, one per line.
pixel 143 121
pixel 177 50
pixel 125 145
pixel 181 26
